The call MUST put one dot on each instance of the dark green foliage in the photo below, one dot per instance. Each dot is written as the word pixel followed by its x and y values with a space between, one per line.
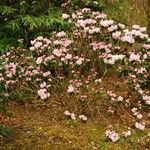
pixel 58 2
pixel 5 131
pixel 28 19
pixel 2 101
pixel 87 4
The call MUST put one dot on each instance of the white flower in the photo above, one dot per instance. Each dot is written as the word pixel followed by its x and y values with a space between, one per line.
pixel 73 116
pixel 109 61
pixel 120 99
pixel 136 27
pixel 74 15
pixel 67 113
pixel 65 16
pixel 122 26
pixel 39 38
pixel 79 61
pixel 83 117
pixel 98 80
pixel 71 89
pixel 32 48
pixel 43 85
pixel 68 56
pixel 139 116
pixel 126 133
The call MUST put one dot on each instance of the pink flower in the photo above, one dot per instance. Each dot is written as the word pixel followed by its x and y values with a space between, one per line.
pixel 112 28
pixel 57 52
pixel 116 35
pixel 112 135
pixel 39 60
pixel 79 61
pixel 46 74
pixel 128 39
pixel 43 93
pixel 140 126
pixel 33 42
pixel 126 133
pixel 71 89
pixel 106 23
pixel 61 34
pixel 134 57
pixel 146 46
pixel 38 44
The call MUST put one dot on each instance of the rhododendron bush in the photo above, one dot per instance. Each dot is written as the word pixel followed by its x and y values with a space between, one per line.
pixel 78 64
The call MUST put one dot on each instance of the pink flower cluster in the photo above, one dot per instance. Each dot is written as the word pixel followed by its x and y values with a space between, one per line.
pixel 73 116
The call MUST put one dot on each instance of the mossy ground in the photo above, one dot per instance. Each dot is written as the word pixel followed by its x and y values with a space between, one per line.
pixel 40 128
pixel 42 125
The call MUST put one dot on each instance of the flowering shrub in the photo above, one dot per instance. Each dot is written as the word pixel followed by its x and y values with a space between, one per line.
pixel 78 63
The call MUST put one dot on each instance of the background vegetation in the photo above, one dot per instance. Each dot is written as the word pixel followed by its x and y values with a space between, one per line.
pixel 25 19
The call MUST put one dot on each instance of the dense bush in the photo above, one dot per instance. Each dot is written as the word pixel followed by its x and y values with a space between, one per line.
pixel 76 64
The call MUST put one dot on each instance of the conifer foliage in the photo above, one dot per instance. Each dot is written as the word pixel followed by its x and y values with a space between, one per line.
pixel 25 19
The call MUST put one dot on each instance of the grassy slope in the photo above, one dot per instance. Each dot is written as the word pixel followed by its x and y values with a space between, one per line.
pixel 42 126
pixel 37 128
